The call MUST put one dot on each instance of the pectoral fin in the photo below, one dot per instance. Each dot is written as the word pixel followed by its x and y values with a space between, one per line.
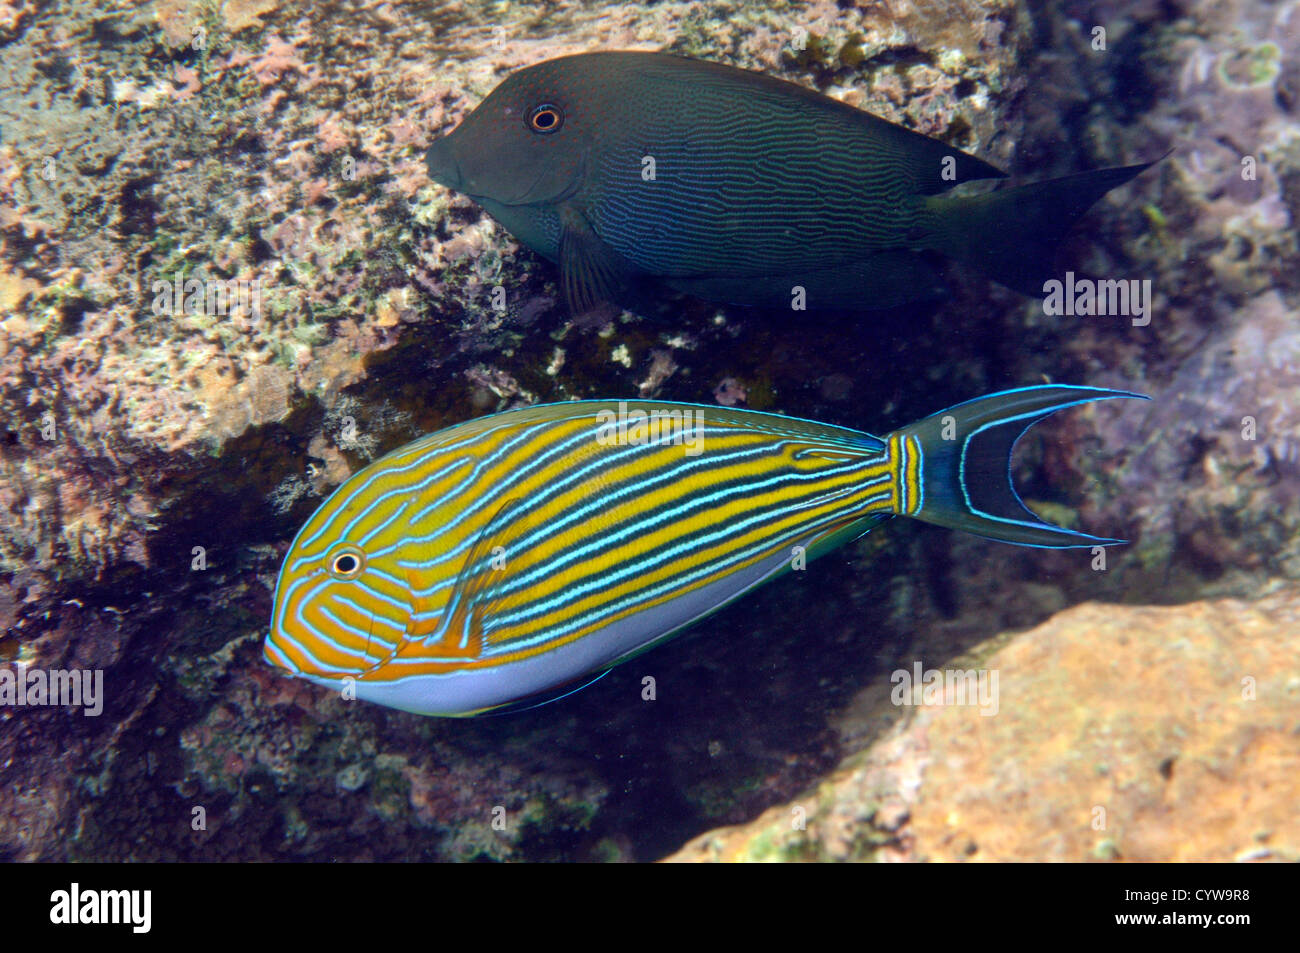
pixel 461 630
pixel 478 592
pixel 593 275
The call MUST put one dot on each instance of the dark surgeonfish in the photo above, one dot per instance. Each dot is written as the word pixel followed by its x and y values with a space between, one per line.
pixel 510 556
pixel 738 187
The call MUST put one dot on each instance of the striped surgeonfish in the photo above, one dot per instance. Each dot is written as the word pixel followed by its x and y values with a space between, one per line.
pixel 631 169
pixel 515 554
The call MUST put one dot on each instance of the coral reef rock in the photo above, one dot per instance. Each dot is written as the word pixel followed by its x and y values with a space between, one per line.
pixel 1121 733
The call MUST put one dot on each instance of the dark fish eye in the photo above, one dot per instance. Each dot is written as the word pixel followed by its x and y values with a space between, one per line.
pixel 346 564
pixel 545 118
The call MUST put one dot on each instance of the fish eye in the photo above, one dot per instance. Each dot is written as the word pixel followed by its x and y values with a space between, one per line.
pixel 545 118
pixel 347 563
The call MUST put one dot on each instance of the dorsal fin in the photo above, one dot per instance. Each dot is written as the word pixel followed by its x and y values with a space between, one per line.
pixel 931 165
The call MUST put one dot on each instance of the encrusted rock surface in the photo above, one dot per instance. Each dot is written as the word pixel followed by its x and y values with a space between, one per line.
pixel 279 146
pixel 1119 733
pixel 155 462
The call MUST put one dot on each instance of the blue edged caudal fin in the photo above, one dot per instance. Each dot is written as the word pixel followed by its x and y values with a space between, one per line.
pixel 960 475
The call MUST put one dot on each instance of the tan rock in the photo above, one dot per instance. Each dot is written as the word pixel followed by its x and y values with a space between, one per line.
pixel 1122 733
pixel 14 289
pixel 241 14
pixel 178 19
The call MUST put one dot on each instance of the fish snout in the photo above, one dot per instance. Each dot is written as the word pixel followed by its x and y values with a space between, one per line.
pixel 440 161
pixel 273 654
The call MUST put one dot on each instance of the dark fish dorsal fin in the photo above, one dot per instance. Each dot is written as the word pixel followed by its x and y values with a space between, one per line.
pixel 931 165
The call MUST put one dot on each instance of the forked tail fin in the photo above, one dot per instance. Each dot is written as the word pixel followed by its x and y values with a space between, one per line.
pixel 1012 235
pixel 963 477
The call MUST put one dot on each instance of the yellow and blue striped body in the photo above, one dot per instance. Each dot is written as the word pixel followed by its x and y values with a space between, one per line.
pixel 513 554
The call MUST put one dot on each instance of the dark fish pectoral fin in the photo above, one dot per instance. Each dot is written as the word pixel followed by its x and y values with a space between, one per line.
pixel 966 465
pixel 593 276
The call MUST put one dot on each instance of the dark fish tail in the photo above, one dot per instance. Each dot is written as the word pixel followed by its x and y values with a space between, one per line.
pixel 1012 235
pixel 962 478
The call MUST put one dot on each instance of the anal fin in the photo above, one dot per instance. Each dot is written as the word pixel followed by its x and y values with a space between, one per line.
pixel 543 698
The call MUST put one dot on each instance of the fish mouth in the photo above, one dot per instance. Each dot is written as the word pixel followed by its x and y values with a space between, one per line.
pixel 444 168
pixel 531 196
pixel 527 197
pixel 442 165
